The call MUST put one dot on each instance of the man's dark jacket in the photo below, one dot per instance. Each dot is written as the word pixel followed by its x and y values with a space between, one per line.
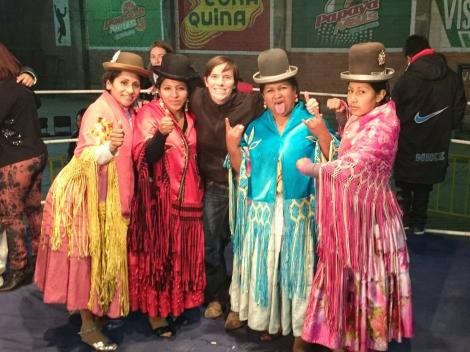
pixel 430 102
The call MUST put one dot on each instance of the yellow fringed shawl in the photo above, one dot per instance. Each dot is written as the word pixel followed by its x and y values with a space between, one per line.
pixel 100 231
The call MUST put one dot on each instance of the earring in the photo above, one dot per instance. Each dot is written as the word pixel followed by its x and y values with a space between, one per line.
pixel 186 106
pixel 162 105
pixel 296 99
pixel 264 105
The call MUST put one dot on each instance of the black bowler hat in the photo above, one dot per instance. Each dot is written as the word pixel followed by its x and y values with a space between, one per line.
pixel 175 66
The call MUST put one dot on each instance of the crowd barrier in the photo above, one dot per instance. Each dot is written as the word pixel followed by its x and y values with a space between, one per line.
pixel 450 198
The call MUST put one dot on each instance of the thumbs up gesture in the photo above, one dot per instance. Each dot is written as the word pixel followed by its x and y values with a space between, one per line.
pixel 116 138
pixel 312 105
pixel 166 124
pixel 315 125
pixel 233 135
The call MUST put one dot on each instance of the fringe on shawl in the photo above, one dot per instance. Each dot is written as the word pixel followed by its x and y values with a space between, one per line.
pixel 188 232
pixel 160 227
pixel 299 220
pixel 350 205
pixel 297 243
pixel 102 237
pixel 238 210
pixel 149 232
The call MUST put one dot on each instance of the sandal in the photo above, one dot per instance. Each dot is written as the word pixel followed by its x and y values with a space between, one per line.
pixel 94 338
pixel 166 331
pixel 266 336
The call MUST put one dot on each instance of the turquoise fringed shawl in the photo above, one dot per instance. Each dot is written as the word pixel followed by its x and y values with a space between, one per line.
pixel 252 202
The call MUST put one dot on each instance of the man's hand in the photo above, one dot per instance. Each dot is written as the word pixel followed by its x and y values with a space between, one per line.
pixel 233 135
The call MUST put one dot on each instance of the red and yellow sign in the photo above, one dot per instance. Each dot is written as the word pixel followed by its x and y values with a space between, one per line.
pixel 224 24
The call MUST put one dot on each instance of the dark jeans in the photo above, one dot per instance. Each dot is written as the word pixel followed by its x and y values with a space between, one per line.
pixel 413 199
pixel 217 236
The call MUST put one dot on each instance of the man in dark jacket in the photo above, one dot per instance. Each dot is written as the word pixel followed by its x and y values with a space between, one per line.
pixel 430 102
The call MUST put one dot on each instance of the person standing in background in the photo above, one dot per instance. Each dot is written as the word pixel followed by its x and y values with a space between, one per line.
pixel 78 121
pixel 158 49
pixel 430 101
pixel 23 158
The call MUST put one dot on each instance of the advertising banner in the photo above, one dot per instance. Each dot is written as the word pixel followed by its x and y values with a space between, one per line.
pixel 455 21
pixel 131 24
pixel 224 25
pixel 337 24
pixel 62 23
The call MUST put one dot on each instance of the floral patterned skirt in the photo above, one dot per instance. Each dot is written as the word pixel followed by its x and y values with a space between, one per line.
pixel 374 312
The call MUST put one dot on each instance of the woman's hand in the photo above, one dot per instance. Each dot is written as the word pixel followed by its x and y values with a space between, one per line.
pixel 302 165
pixel 316 126
pixel 116 138
pixel 336 105
pixel 25 79
pixel 339 107
pixel 166 124
pixel 233 135
pixel 311 104
pixel 307 167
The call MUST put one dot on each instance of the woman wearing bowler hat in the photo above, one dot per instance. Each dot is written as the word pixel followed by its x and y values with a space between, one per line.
pixel 82 259
pixel 361 293
pixel 166 237
pixel 273 223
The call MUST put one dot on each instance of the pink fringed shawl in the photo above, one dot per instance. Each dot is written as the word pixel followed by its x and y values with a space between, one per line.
pixel 354 196
pixel 108 108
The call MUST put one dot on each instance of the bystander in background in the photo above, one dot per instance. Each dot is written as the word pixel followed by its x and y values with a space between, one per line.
pixel 430 102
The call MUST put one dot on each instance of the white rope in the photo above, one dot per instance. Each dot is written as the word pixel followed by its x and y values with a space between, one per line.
pixel 58 141
pixel 460 141
pixel 448 232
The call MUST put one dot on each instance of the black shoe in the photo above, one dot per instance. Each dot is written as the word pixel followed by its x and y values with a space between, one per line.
pixel 14 280
pixel 418 230
pixel 29 275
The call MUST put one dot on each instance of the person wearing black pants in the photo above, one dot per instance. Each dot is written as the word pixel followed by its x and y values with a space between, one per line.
pixel 219 99
pixel 430 102
pixel 413 199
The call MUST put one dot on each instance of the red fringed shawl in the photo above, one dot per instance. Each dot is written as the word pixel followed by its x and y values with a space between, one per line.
pixel 166 238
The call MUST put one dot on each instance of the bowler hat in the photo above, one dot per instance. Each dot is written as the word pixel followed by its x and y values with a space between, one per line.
pixel 125 61
pixel 175 66
pixel 367 63
pixel 273 66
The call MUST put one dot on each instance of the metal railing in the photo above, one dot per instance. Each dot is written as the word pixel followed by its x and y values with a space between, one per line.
pixel 444 199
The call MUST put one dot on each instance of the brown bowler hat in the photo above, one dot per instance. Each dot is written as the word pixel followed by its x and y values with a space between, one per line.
pixel 273 66
pixel 125 61
pixel 367 63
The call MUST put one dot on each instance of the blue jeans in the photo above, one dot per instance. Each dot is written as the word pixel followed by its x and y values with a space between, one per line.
pixel 217 236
